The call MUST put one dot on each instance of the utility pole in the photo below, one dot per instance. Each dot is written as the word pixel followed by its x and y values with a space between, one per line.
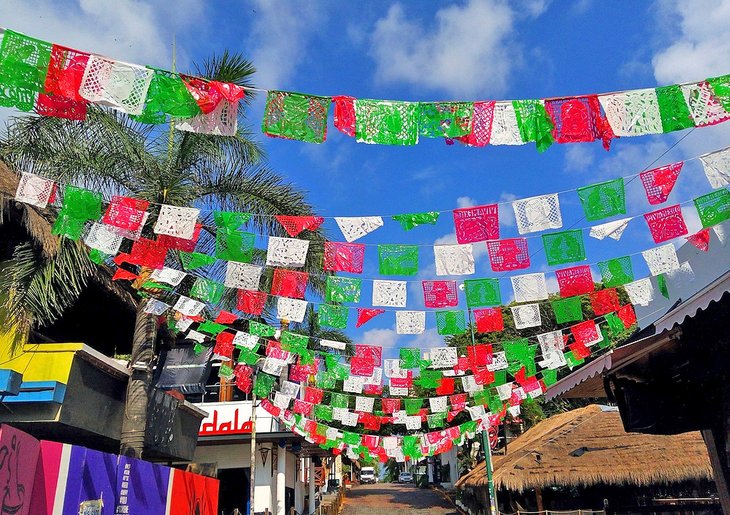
pixel 485 443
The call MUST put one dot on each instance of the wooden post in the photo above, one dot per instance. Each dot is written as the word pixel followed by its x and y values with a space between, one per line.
pixel 716 440
pixel 538 499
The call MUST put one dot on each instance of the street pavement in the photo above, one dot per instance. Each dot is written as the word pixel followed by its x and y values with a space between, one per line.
pixel 391 498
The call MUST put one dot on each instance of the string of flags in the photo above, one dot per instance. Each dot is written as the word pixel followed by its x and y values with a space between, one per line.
pixel 54 80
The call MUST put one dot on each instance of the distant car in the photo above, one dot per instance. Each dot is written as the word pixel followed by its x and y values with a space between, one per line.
pixel 405 477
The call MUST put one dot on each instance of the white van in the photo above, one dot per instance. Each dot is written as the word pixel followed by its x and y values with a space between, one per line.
pixel 367 475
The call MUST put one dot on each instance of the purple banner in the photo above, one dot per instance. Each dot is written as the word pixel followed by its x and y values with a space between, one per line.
pixel 142 486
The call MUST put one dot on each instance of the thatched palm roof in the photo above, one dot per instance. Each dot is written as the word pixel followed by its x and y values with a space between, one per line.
pixel 588 446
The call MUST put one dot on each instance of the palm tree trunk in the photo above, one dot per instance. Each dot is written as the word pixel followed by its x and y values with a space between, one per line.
pixel 134 424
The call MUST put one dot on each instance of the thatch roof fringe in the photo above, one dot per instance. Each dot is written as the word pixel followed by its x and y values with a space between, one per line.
pixel 589 446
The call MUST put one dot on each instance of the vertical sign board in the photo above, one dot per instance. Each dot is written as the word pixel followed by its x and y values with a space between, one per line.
pixel 18 458
pixel 142 487
pixel 192 493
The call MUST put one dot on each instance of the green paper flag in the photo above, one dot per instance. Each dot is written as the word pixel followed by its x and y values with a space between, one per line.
pixel 167 95
pixel 661 281
pixel 550 377
pixel 263 385
pixel 520 353
pixel 603 200
pixel 606 341
pixel 567 310
pixel 673 109
pixel 234 246
pixel 572 360
pixel 259 329
pixel 398 259
pixel 98 257
pixel 429 378
pixel 468 427
pixel 326 380
pixel 333 316
pixel 411 220
pixel 198 348
pixel 411 447
pixel 386 122
pixel 193 260
pixel 436 420
pixel 482 292
pixel 343 289
pixel 534 123
pixel 450 322
pixel 207 290
pixel 350 438
pixel 210 327
pixel 230 220
pixel 225 371
pixel 445 119
pixel 248 356
pixel 615 325
pixel 409 358
pixel 721 88
pixel 23 68
pixel 296 116
pixel 154 285
pixel 323 412
pixel 564 247
pixel 500 377
pixel 413 406
pixel 481 397
pixel 293 342
pixel 616 272
pixel 713 208
pixel 339 400
pixel 79 206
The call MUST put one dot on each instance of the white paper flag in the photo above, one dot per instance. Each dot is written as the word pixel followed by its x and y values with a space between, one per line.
pixel 287 252
pixel 505 130
pixel 438 404
pixel 290 389
pixel 243 276
pixel 103 238
pixel 526 316
pixel 176 221
pixel 222 121
pixel 364 404
pixel 413 422
pixel 454 259
pixel 703 104
pixel 661 260
pixel 281 400
pixel 499 362
pixel 350 419
pixel 397 391
pixel 614 229
pixel 119 85
pixel 538 213
pixel 389 293
pixel 245 340
pixel 552 341
pixel 332 344
pixel 168 276
pixel 529 287
pixel 274 366
pixel 717 168
pixel 195 336
pixel 156 307
pixel 476 412
pixel 504 391
pixel 355 227
pixel 34 190
pixel 444 357
pixel 469 384
pixel 353 384
pixel 410 322
pixel 188 307
pixel 292 310
pixel 633 113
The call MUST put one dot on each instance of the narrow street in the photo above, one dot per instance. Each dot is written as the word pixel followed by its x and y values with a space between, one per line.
pixel 395 498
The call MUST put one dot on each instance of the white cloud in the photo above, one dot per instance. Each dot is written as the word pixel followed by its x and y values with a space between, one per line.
pixel 463 202
pixel 506 213
pixel 579 158
pixel 466 51
pixel 702 48
pixel 279 36
pixel 427 339
pixel 381 337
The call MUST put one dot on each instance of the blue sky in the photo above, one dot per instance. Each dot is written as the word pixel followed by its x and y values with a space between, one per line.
pixel 428 50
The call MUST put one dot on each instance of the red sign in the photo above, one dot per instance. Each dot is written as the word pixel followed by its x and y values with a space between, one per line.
pixel 226 420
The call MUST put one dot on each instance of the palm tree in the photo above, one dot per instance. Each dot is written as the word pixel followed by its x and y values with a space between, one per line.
pixel 114 154
pixel 310 326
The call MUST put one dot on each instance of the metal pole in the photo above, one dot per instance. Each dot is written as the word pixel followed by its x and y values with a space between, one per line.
pixel 252 486
pixel 485 444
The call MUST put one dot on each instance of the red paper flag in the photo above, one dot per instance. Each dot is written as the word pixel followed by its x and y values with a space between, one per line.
pixel 148 253
pixel 627 315
pixel 224 345
pixel 251 302
pixel 446 386
pixel 578 119
pixel 580 351
pixel 479 355
pixel 373 353
pixel 585 333
pixel 123 275
pixel 231 92
pixel 225 317
pixel 489 320
pixel 299 373
pixel 658 182
pixel 289 283
pixel 345 114
pixel 604 301
pixel 440 294
pixel 313 395
pixel 458 401
pixel 481 126
pixel 390 405
pixel 343 257
pixel 294 225
pixel 509 254
pixel 61 89
pixel 303 407
pixel 480 223
pixel 372 389
pixel 701 239
pixel 361 366
pixel 666 224
pixel 267 405
pixel 171 242
pixel 402 382
pixel 244 377
pixel 576 280
pixel 125 213
pixel 463 364
pixel 206 96
pixel 364 315
pixel 483 376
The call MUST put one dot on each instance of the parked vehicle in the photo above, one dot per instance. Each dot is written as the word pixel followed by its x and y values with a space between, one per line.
pixel 367 475
pixel 405 477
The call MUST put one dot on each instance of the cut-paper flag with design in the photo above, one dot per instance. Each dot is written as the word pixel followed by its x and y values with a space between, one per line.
pixel 659 182
pixel 700 239
pixel 567 310
pixel 242 276
pixel 507 255
pixel 526 316
pixel 604 301
pixel 714 207
pixel 342 289
pixel 364 315
pixel 35 190
pixel 576 280
pixel 613 230
pixel 412 220
pixel 617 271
pixel 343 257
pixel 355 227
pixel 538 213
pixel 454 259
pixel 440 294
pixel 450 322
pixel 578 120
pixel 289 283
pixel 488 320
pixel 117 84
pixel 294 225
pixel 529 287
pixel 534 123
pixel 445 119
pixel 333 316
pixel 103 238
pixel 386 122
pixel 482 292
pixel 394 259
pixel 410 322
pixel 640 292
pixel 344 114
pixel 251 302
pixel 188 307
pixel 717 168
pixel 178 222
pixel 476 224
pixel 564 247
pixel 505 130
pixel 286 252
pixel 295 116
pixel 666 224
pixel 661 260
pixel 389 293
pixel 633 113
pixel 603 200
pixel 703 105
pixel 291 309
pixel 673 109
